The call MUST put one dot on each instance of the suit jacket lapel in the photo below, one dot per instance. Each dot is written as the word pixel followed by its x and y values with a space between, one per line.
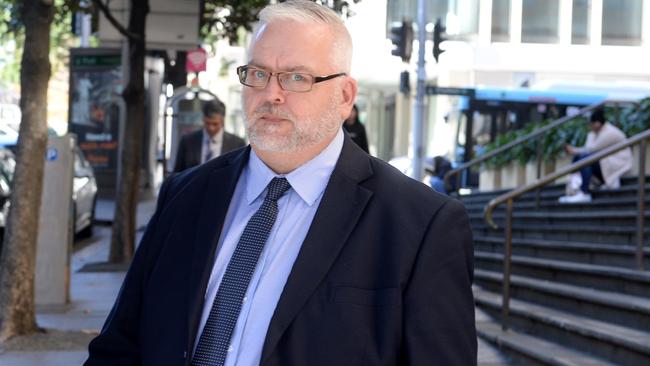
pixel 341 206
pixel 197 148
pixel 213 213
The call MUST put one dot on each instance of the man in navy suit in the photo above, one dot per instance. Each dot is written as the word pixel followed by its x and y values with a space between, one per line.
pixel 361 264
pixel 209 142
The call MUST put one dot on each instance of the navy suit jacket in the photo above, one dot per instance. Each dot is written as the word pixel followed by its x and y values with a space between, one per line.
pixel 190 147
pixel 383 276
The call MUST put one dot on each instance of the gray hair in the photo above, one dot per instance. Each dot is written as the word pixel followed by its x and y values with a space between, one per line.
pixel 305 11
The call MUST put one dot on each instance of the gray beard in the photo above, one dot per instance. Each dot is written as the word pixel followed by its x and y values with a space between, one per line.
pixel 307 133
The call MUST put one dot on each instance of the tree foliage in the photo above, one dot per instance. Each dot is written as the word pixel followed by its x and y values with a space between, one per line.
pixel 12 37
pixel 225 18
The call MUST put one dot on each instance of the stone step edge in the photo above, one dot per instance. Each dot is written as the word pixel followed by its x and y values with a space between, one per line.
pixel 601 297
pixel 561 244
pixel 543 351
pixel 571 323
pixel 623 273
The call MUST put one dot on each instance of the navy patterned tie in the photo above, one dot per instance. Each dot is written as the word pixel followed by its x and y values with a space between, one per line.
pixel 215 338
pixel 208 153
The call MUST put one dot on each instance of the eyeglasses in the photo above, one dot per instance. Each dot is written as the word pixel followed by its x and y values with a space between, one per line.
pixel 298 82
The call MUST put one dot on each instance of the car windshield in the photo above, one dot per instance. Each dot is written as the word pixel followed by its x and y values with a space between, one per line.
pixel 7 167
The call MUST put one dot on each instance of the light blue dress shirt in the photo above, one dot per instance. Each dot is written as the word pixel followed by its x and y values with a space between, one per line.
pixel 296 212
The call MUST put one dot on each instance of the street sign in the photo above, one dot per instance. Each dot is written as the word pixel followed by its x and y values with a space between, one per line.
pixel 196 60
pixel 438 90
pixel 51 154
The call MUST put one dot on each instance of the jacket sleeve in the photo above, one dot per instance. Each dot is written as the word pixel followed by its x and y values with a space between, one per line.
pixel 117 343
pixel 438 307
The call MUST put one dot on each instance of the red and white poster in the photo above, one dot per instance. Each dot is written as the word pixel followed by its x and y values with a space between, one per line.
pixel 196 60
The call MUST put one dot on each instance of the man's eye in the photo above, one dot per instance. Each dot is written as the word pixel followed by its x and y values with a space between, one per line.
pixel 259 74
pixel 297 77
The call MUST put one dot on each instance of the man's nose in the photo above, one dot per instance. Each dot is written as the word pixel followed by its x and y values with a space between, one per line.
pixel 274 92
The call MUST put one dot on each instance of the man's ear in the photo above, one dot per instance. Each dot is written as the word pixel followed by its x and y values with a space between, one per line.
pixel 348 96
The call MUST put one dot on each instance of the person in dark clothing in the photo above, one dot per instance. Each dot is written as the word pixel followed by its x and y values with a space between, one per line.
pixel 356 130
pixel 440 167
pixel 209 142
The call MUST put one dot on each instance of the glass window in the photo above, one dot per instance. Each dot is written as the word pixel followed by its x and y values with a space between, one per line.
pixel 500 20
pixel 540 21
pixel 580 21
pixel 622 22
pixel 399 9
pixel 462 17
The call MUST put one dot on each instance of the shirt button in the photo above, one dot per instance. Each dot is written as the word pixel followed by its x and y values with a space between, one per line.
pixel 245 299
pixel 230 349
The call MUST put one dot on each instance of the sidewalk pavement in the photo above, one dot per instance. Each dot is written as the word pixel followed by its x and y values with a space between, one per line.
pixel 92 293
pixel 70 327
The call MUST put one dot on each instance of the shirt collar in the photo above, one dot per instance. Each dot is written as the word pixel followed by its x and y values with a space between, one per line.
pixel 309 180
pixel 215 138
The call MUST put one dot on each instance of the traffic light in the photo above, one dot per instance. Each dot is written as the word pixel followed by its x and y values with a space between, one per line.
pixel 439 36
pixel 405 82
pixel 402 38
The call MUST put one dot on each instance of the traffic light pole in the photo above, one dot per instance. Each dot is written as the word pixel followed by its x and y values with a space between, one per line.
pixel 418 108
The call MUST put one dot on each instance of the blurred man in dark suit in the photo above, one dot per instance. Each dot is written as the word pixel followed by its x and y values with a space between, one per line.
pixel 209 142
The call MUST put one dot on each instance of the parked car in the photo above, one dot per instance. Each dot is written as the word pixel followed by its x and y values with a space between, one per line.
pixel 8 136
pixel 84 194
pixel 84 190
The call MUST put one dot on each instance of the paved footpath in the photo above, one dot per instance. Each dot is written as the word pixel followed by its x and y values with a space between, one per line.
pixel 92 294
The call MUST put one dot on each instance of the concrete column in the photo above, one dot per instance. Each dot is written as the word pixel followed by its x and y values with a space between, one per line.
pixel 566 20
pixel 516 15
pixel 645 24
pixel 56 230
pixel 596 23
pixel 485 22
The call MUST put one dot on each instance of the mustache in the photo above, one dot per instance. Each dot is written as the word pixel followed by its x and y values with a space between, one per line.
pixel 268 108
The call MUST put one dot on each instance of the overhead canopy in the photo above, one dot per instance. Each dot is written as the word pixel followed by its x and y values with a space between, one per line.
pixel 171 24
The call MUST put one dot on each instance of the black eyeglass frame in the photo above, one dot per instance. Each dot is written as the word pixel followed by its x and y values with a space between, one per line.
pixel 315 79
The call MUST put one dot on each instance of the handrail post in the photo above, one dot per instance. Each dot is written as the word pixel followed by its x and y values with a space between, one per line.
pixel 538 144
pixel 640 218
pixel 507 257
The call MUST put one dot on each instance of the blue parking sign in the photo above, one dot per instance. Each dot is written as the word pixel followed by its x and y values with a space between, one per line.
pixel 51 154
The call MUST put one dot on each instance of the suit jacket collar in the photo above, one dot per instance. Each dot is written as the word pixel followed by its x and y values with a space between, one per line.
pixel 219 188
pixel 343 202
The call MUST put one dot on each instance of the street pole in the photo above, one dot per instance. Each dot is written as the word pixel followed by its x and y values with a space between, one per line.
pixel 85 28
pixel 418 108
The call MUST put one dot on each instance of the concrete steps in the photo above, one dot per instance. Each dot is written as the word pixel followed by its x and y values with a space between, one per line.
pixel 600 340
pixel 534 351
pixel 606 278
pixel 609 306
pixel 617 254
pixel 576 295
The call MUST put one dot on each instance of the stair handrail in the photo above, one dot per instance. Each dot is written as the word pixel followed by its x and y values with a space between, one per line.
pixel 641 139
pixel 534 134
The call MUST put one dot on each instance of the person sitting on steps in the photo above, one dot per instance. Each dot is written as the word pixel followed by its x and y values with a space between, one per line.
pixel 609 169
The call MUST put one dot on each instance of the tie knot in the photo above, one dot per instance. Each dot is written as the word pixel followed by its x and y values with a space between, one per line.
pixel 276 188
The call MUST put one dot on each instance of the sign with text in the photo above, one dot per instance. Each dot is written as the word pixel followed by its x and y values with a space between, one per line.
pixel 439 90
pixel 95 104
pixel 196 60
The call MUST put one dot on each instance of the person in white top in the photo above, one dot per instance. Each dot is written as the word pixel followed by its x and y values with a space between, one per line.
pixel 609 169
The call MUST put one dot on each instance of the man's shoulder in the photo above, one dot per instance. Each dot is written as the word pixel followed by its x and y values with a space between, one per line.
pixel 193 135
pixel 194 176
pixel 391 184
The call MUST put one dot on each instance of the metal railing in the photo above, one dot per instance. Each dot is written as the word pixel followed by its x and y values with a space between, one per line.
pixel 538 134
pixel 641 139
